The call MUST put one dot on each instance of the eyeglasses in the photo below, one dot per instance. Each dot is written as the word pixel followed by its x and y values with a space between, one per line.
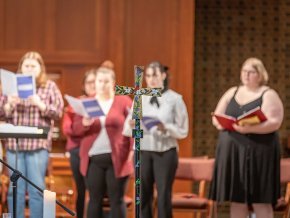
pixel 249 71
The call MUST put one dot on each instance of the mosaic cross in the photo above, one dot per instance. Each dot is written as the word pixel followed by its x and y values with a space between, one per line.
pixel 137 133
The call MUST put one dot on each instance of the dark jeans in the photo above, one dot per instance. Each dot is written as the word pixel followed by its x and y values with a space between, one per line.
pixel 101 180
pixel 79 180
pixel 158 168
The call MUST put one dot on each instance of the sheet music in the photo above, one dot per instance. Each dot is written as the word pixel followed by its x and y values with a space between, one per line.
pixel 8 83
pixel 149 122
pixel 19 85
pixel 85 107
pixel 77 105
pixel 10 128
pixel 25 86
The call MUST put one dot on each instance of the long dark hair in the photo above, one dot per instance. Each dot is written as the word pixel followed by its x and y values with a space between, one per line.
pixel 163 69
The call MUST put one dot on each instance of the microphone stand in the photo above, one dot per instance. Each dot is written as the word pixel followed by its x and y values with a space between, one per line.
pixel 15 176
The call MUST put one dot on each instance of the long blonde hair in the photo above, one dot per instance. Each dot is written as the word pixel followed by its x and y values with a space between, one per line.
pixel 42 77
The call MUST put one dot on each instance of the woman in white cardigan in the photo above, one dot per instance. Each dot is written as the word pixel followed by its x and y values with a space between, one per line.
pixel 167 121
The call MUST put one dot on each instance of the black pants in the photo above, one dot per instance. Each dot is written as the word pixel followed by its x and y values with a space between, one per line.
pixel 79 180
pixel 101 180
pixel 159 168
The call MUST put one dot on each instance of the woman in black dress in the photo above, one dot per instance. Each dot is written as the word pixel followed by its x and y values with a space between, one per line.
pixel 247 168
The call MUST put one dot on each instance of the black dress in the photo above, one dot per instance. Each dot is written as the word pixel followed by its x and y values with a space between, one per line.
pixel 247 166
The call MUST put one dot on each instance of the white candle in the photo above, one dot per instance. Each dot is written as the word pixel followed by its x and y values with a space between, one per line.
pixel 49 204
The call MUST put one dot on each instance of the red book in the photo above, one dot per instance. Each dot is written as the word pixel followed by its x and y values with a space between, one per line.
pixel 252 117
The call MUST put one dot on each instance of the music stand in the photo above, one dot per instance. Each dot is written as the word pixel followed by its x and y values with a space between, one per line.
pixel 42 134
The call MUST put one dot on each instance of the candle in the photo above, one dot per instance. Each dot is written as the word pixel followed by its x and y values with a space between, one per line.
pixel 49 204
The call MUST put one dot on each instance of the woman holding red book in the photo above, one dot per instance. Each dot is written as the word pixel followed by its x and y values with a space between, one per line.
pixel 247 168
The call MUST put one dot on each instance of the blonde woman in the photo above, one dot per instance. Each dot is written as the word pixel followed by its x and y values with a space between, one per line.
pixel 104 151
pixel 247 168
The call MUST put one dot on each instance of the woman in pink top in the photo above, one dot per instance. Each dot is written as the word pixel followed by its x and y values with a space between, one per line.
pixel 73 141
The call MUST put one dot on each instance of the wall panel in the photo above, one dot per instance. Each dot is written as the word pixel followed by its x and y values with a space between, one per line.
pixel 74 36
pixel 228 33
pixel 21 29
pixel 162 30
pixel 75 25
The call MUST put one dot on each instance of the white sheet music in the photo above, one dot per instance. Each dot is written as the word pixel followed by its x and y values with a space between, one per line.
pixel 10 128
pixel 89 107
pixel 19 85
pixel 77 105
pixel 8 83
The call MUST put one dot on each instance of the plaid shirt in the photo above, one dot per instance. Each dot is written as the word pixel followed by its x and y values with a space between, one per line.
pixel 25 114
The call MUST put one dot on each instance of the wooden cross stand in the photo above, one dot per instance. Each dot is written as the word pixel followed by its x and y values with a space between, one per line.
pixel 137 91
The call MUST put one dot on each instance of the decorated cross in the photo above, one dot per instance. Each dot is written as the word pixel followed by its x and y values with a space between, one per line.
pixel 137 91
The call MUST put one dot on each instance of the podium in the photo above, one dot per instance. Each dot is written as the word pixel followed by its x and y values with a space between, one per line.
pixel 17 132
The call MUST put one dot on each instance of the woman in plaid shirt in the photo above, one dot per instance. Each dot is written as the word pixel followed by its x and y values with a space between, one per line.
pixel 38 110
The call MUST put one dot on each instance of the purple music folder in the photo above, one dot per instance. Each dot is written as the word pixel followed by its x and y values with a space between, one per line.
pixel 150 122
